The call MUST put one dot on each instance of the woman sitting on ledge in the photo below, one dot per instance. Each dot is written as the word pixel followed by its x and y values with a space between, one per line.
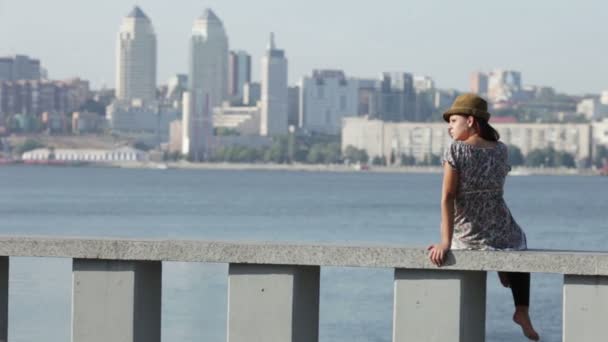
pixel 474 214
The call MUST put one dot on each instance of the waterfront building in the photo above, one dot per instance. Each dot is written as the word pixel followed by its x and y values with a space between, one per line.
pixel 86 155
pixel 422 140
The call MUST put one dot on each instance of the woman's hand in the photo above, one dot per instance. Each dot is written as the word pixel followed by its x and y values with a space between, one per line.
pixel 437 253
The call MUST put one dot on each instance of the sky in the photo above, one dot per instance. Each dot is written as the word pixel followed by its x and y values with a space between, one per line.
pixel 557 43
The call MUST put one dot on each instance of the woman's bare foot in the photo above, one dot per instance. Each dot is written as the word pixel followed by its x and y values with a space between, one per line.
pixel 522 318
pixel 504 280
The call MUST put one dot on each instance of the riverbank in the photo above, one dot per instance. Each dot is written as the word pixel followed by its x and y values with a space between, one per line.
pixel 517 171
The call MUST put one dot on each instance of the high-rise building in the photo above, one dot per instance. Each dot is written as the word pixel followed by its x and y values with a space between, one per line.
pixel 273 120
pixel 397 97
pixel 208 84
pixel 478 83
pixel 423 83
pixel 136 58
pixel 368 96
pixel 19 67
pixel 504 85
pixel 33 97
pixel 293 99
pixel 251 93
pixel 239 73
pixel 326 98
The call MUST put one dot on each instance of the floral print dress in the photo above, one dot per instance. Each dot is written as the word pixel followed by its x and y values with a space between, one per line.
pixel 482 219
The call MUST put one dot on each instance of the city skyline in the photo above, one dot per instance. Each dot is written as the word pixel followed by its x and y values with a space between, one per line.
pixel 564 52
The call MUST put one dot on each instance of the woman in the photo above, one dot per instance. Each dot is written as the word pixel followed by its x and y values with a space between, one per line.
pixel 474 214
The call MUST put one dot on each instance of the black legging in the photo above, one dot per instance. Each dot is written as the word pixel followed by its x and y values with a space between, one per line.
pixel 520 287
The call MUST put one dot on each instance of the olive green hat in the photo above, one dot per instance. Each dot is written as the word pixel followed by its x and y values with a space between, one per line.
pixel 468 104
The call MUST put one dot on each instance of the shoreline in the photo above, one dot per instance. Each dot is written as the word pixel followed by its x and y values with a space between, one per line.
pixel 183 165
pixel 341 168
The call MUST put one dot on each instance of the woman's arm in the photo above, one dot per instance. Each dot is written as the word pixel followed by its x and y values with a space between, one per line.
pixel 448 195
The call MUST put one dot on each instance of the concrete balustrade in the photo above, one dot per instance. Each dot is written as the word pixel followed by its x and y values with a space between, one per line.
pixel 274 287
pixel 585 308
pixel 273 303
pixel 454 300
pixel 116 301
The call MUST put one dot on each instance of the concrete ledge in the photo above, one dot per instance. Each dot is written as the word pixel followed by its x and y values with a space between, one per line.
pixel 544 261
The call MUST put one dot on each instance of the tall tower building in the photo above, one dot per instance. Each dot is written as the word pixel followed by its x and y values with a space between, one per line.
pixel 136 58
pixel 208 84
pixel 273 118
pixel 478 83
pixel 239 73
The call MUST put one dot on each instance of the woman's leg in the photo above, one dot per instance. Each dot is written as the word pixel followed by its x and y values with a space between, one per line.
pixel 520 288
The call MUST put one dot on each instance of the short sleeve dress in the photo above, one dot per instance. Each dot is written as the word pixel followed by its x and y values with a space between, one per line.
pixel 482 219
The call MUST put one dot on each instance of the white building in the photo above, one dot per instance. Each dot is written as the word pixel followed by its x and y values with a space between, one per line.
pixel 86 155
pixel 604 97
pixel 176 86
pixel 244 120
pixel 274 97
pixel 136 58
pixel 423 83
pixel 326 98
pixel 564 137
pixel 140 117
pixel 208 84
pixel 600 132
pixel 383 139
pixel 592 108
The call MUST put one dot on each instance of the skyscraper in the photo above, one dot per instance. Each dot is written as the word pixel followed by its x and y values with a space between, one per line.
pixel 273 119
pixel 136 58
pixel 239 73
pixel 207 83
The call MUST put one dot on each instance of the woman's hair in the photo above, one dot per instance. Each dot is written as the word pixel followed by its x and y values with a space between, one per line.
pixel 486 131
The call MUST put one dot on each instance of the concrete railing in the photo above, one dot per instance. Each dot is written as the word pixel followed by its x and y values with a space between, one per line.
pixel 273 288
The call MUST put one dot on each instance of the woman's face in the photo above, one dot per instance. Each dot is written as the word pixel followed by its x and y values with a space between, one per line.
pixel 460 126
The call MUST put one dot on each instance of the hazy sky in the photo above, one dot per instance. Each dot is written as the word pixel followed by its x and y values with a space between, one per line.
pixel 558 43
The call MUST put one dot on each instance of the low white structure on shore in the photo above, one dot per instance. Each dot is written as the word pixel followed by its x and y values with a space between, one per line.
pixel 88 155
